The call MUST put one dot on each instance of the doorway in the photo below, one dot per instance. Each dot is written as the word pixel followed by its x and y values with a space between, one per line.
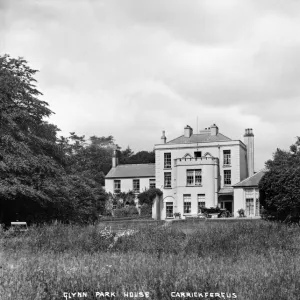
pixel 227 205
pixel 169 209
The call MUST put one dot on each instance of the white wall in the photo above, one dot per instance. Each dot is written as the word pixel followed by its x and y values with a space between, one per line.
pixel 215 149
pixel 239 200
pixel 179 188
pixel 243 164
pixel 127 184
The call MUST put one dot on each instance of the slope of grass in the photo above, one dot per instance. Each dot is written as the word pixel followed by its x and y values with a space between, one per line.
pixel 254 260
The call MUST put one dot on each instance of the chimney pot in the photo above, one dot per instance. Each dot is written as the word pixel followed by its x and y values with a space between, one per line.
pixel 163 138
pixel 114 158
pixel 188 131
pixel 214 130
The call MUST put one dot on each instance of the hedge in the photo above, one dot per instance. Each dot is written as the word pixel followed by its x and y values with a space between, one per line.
pixel 126 211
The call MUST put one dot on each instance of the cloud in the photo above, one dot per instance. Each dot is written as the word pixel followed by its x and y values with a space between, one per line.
pixel 134 68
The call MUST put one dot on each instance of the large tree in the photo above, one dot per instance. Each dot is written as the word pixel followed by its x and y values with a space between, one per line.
pixel 91 159
pixel 280 186
pixel 34 182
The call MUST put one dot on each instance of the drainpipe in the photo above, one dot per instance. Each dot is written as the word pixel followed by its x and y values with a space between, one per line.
pixel 216 179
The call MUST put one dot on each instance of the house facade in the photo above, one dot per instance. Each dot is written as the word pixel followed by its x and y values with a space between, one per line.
pixel 130 177
pixel 193 170
pixel 246 194
pixel 196 170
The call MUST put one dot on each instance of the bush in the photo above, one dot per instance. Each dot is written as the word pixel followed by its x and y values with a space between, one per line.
pixel 126 212
pixel 146 210
pixel 148 196
pixel 241 212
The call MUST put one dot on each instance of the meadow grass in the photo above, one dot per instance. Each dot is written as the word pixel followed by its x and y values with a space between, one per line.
pixel 254 260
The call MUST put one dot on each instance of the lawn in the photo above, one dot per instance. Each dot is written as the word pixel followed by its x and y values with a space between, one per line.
pixel 246 259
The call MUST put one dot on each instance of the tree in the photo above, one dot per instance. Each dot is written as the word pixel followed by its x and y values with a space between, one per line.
pixel 125 155
pixel 280 186
pixel 142 157
pixel 91 159
pixel 35 181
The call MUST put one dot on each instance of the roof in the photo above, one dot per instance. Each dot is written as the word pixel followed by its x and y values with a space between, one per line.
pixel 132 170
pixel 252 180
pixel 226 191
pixel 200 138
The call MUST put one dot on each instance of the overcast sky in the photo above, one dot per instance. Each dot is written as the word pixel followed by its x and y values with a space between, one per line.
pixel 132 68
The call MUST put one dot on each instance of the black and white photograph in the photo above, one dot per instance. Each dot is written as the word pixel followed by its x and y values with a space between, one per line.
pixel 149 149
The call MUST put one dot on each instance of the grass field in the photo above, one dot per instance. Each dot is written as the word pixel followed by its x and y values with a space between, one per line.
pixel 252 259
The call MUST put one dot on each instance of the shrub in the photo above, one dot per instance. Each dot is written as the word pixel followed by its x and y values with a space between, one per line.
pixel 241 212
pixel 148 196
pixel 146 210
pixel 126 211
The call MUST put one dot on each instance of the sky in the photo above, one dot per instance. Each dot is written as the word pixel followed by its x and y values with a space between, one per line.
pixel 132 68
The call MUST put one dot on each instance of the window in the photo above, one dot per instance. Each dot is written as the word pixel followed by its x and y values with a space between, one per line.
pixel 136 185
pixel 194 177
pixel 167 179
pixel 257 204
pixel 197 154
pixel 167 161
pixel 117 186
pixel 257 207
pixel 169 209
pixel 227 157
pixel 152 183
pixel 249 206
pixel 189 177
pixel 227 177
pixel 201 202
pixel 198 177
pixel 186 204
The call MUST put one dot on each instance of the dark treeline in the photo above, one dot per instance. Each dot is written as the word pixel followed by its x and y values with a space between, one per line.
pixel 43 176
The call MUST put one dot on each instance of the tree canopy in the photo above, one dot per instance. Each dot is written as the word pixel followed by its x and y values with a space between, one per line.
pixel 36 180
pixel 280 186
pixel 127 156
pixel 43 177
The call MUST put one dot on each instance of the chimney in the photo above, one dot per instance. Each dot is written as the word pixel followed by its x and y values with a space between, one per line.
pixel 114 158
pixel 214 129
pixel 188 131
pixel 249 142
pixel 163 138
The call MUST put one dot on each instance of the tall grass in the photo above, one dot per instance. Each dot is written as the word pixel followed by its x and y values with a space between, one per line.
pixel 255 260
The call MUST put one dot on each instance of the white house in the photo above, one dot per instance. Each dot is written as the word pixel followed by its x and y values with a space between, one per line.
pixel 200 169
pixel 193 170
pixel 246 194
pixel 131 177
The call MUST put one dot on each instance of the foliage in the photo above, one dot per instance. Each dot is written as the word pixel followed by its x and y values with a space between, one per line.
pixel 91 159
pixel 177 214
pixel 146 210
pixel 125 198
pixel 126 211
pixel 39 178
pixel 127 156
pixel 149 195
pixel 241 212
pixel 280 186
